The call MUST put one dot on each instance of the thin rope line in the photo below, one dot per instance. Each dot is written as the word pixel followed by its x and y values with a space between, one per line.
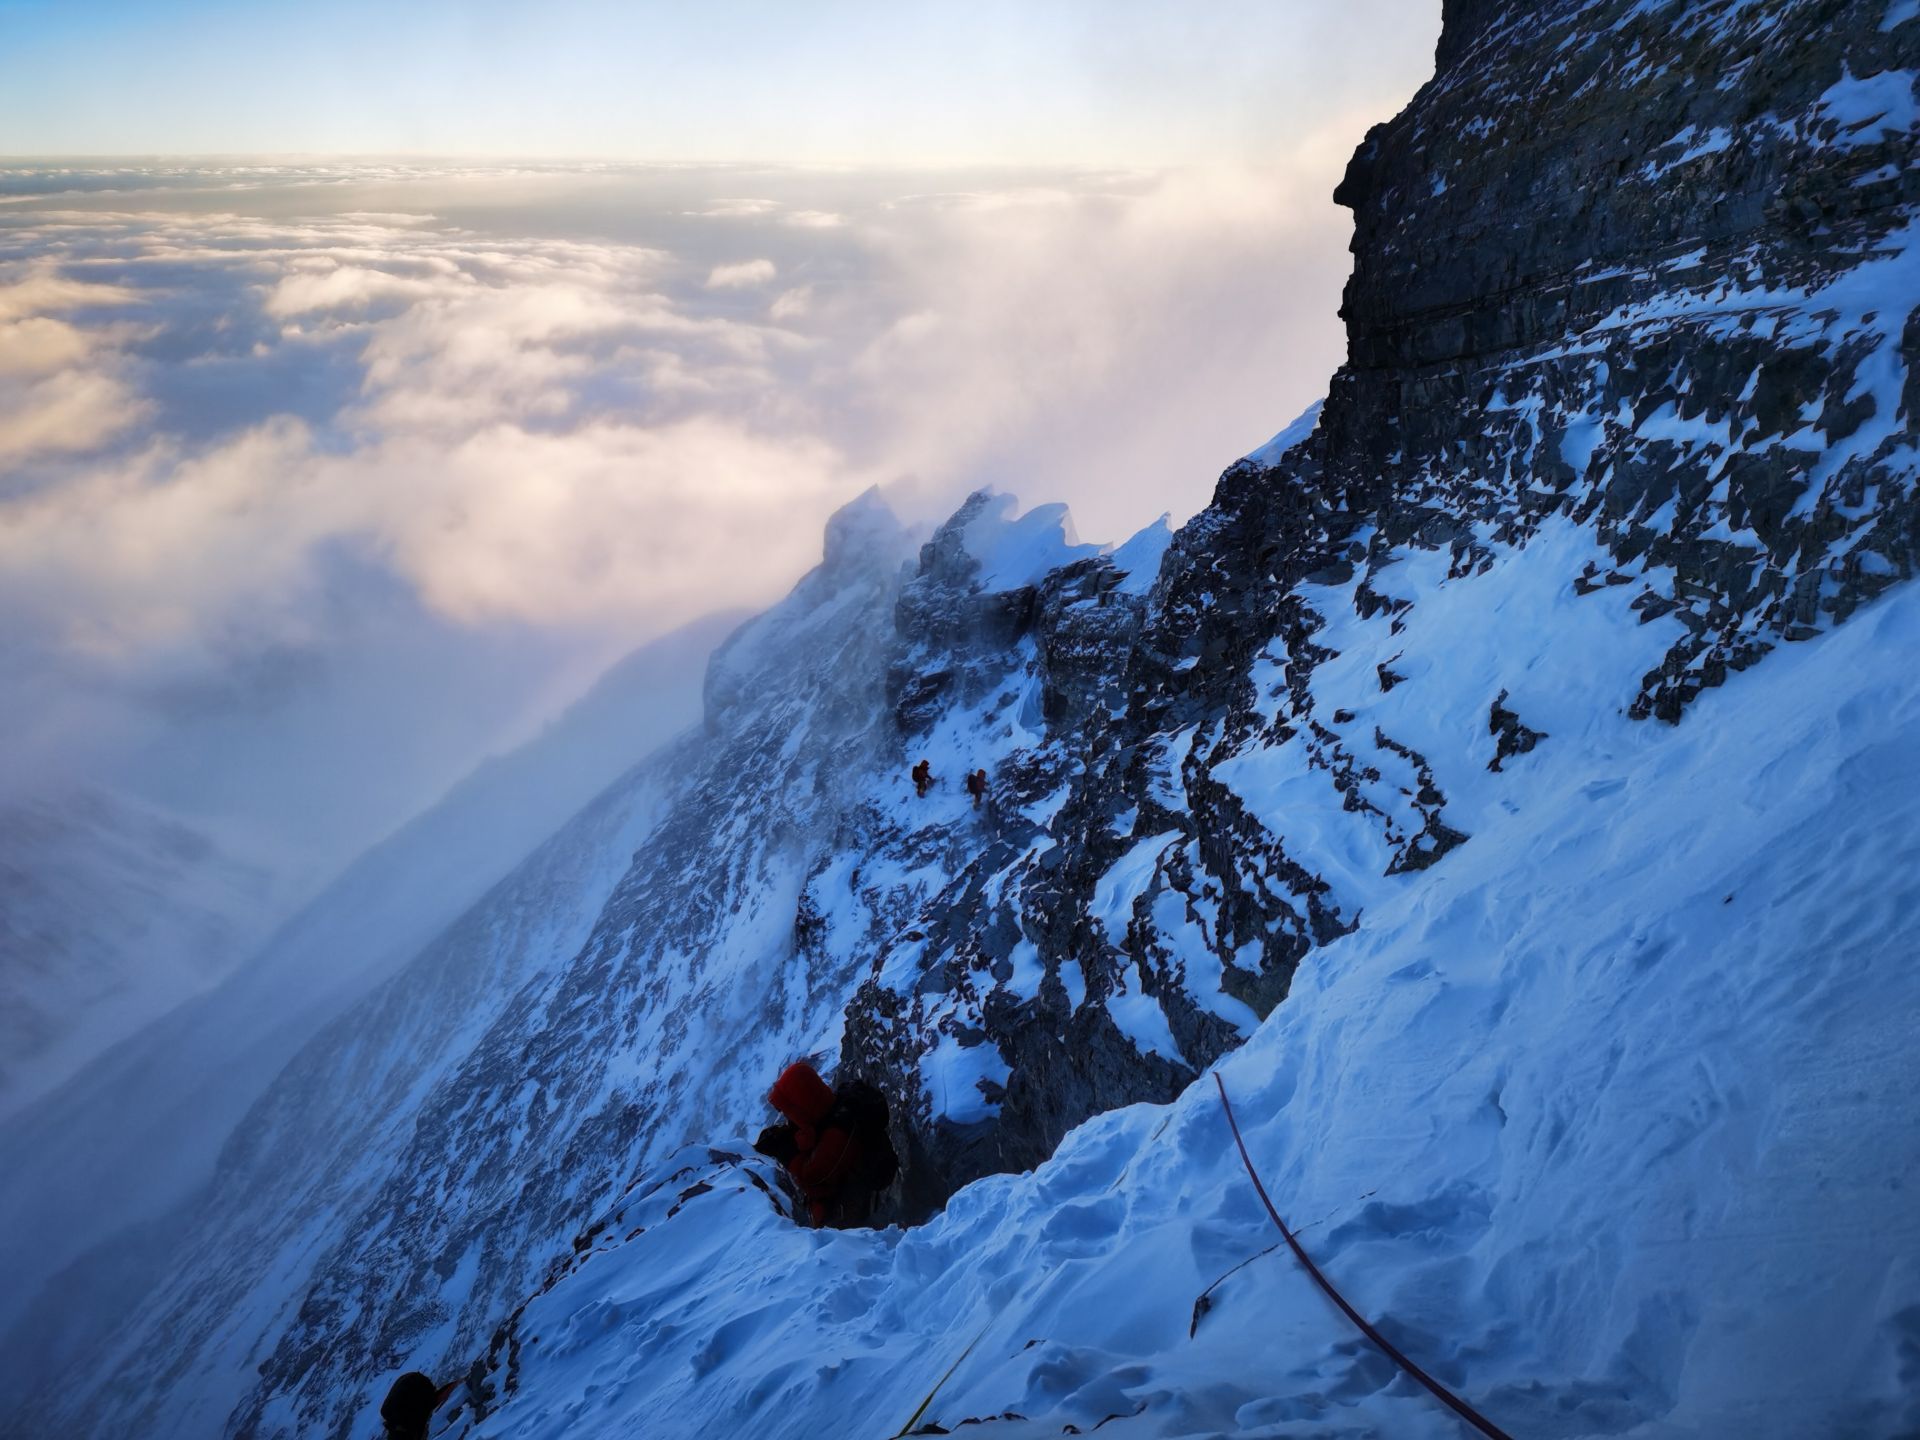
pixel 941 1383
pixel 1440 1392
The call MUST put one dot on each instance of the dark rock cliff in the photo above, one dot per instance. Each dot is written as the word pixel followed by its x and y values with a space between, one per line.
pixel 1575 258
pixel 1642 268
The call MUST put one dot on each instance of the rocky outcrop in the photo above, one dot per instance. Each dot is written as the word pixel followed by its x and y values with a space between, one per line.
pixel 1646 270
pixel 1644 265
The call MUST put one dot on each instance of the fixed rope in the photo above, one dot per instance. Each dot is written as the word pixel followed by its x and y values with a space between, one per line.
pixel 941 1382
pixel 1440 1392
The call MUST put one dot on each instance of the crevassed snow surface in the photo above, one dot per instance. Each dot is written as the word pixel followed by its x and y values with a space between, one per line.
pixel 1667 1190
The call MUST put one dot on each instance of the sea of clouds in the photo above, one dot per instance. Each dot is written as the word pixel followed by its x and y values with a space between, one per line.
pixel 320 481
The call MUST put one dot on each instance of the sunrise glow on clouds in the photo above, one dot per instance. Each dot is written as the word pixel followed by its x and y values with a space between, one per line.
pixel 385 458
pixel 570 431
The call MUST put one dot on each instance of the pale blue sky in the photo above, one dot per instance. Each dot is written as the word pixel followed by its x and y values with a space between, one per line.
pixel 929 81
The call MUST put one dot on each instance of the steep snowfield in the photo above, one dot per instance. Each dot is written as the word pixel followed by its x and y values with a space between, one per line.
pixel 1608 1122
pixel 316 1150
pixel 792 841
pixel 112 912
pixel 161 1105
pixel 404 1140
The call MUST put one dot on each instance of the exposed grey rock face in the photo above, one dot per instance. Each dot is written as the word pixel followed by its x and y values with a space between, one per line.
pixel 1645 269
pixel 1615 262
pixel 1630 381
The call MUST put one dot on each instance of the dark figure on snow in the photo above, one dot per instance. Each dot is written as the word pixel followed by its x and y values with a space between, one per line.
pixel 977 787
pixel 834 1145
pixel 922 778
pixel 409 1406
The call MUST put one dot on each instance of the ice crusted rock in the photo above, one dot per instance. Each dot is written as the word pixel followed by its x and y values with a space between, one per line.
pixel 1607 1122
pixel 1630 301
pixel 1677 312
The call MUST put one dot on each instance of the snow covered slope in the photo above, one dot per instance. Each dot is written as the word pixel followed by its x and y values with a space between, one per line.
pixel 161 1105
pixel 112 912
pixel 398 1137
pixel 1509 765
pixel 1608 1121
pixel 1679 376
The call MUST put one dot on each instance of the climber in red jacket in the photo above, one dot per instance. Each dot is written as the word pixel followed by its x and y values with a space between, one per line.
pixel 835 1146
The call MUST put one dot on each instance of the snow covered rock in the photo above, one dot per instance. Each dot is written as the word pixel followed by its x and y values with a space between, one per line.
pixel 1607 1121
pixel 1626 408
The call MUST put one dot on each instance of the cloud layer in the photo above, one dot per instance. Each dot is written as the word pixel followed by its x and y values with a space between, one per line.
pixel 419 448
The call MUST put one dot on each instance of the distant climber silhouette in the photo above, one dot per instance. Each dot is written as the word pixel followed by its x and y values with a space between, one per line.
pixel 408 1409
pixel 977 786
pixel 834 1144
pixel 922 778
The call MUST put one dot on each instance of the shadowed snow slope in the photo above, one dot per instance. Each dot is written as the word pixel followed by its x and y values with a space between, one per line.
pixel 112 912
pixel 1607 1121
pixel 402 1138
pixel 161 1105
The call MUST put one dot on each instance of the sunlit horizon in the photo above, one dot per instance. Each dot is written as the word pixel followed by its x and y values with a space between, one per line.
pixel 1123 82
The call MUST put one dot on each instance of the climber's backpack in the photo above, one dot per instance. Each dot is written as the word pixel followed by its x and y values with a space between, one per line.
pixel 408 1410
pixel 861 1109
